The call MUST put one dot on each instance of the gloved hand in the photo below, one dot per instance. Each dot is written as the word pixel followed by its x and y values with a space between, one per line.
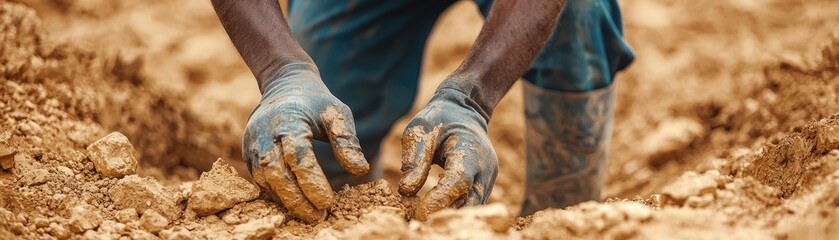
pixel 295 108
pixel 451 131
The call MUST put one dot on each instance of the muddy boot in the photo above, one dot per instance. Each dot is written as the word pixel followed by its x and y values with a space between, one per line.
pixel 567 141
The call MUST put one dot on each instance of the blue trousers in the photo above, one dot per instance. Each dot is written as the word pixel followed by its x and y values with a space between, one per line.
pixel 369 53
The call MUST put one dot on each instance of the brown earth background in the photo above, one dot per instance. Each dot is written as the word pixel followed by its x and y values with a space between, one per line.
pixel 725 128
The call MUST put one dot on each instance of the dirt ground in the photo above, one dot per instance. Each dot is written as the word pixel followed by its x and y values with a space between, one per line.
pixel 726 127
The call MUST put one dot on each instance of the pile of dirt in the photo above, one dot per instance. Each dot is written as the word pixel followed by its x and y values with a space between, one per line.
pixel 703 83
pixel 68 172
pixel 87 86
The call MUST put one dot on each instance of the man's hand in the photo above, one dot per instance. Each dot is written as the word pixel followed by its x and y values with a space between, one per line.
pixel 451 132
pixel 295 108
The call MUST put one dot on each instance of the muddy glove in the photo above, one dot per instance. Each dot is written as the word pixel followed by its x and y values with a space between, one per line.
pixel 295 108
pixel 451 131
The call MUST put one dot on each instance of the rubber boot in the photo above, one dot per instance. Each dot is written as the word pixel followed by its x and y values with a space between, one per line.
pixel 567 140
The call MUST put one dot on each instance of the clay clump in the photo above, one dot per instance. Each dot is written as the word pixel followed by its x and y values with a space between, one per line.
pixel 145 193
pixel 83 218
pixel 220 189
pixel 113 155
pixel 152 221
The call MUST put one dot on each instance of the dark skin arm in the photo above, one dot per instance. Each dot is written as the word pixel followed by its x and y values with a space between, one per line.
pixel 260 33
pixel 514 33
pixel 296 108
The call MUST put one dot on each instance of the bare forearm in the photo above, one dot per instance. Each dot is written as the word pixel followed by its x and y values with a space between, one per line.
pixel 514 33
pixel 260 33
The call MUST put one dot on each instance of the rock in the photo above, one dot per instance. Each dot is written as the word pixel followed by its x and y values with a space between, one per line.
pixel 64 170
pixel 145 193
pixel 113 155
pixel 231 219
pixel 126 215
pixel 176 233
pixel 655 200
pixel 83 218
pixel 94 235
pixel 827 135
pixel 58 231
pixel 111 227
pixel 7 156
pixel 493 216
pixel 263 228
pixel 152 221
pixel 380 222
pixel 142 235
pixel 24 163
pixel 35 177
pixel 691 184
pixel 220 189
pixel 40 221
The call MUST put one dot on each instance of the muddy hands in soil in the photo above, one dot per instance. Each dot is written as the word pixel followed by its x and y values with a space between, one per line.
pixel 106 143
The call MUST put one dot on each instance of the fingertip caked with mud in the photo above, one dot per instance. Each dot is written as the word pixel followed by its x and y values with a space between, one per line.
pixel 341 133
pixel 418 148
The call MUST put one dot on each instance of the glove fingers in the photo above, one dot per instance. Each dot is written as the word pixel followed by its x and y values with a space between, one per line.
pixel 300 158
pixel 418 148
pixel 456 182
pixel 284 187
pixel 258 174
pixel 482 186
pixel 340 129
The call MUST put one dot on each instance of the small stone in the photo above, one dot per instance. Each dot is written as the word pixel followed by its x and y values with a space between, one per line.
pixel 231 219
pixel 93 235
pixel 263 228
pixel 176 233
pixel 35 177
pixel 109 226
pixel 145 193
pixel 126 215
pixel 7 156
pixel 24 163
pixel 64 170
pixel 691 184
pixel 655 200
pixel 152 221
pixel 494 216
pixel 142 235
pixel 41 221
pixel 58 231
pixel 827 135
pixel 113 155
pixel 220 189
pixel 83 218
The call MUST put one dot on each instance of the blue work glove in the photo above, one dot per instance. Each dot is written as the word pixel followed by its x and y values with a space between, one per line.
pixel 451 131
pixel 295 108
